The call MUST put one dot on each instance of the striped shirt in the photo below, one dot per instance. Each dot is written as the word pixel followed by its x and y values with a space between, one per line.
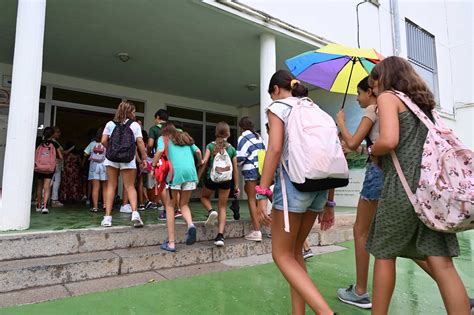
pixel 247 157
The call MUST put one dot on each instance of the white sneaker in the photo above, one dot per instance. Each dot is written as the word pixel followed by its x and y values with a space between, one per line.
pixel 106 221
pixel 39 207
pixel 56 204
pixel 136 220
pixel 211 219
pixel 44 210
pixel 126 208
pixel 254 236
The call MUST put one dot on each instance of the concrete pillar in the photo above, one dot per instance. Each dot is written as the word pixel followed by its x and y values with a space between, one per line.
pixel 23 115
pixel 267 69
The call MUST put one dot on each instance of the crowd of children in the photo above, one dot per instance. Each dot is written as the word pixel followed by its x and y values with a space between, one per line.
pixel 167 165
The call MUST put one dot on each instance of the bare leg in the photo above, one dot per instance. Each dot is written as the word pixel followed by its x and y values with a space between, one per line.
pixel 384 283
pixel 206 198
pixel 306 246
pixel 95 193
pixel 104 191
pixel 297 301
pixel 140 190
pixel 125 199
pixel 129 176
pixel 170 204
pixel 39 191
pixel 112 175
pixel 185 195
pixel 145 194
pixel 450 285
pixel 284 251
pixel 365 214
pixel 46 190
pixel 222 205
pixel 252 201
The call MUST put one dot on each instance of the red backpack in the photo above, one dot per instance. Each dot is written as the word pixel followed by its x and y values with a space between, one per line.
pixel 163 168
pixel 45 158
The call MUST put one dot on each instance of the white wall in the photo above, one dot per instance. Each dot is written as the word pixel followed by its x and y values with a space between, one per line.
pixel 154 100
pixel 451 22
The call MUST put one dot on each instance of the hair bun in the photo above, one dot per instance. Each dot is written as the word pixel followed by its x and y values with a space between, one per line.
pixel 294 82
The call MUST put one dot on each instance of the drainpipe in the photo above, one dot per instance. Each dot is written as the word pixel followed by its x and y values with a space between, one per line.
pixel 395 27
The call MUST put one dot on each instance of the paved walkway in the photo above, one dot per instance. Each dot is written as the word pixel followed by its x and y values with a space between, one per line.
pixel 229 288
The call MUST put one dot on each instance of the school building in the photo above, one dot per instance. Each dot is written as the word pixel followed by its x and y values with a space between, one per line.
pixel 69 63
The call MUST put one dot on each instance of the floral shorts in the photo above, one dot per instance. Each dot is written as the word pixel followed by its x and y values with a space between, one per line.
pixel 373 182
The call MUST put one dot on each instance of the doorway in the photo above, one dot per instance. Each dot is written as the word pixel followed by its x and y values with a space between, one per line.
pixel 79 126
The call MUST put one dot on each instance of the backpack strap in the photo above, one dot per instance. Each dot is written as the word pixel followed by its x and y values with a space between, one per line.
pixel 419 113
pixel 165 140
pixel 411 196
pixel 286 218
pixel 129 123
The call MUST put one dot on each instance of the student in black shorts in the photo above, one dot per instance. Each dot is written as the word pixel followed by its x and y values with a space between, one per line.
pixel 43 180
pixel 219 178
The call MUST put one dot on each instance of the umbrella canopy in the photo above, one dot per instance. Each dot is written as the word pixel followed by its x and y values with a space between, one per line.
pixel 335 68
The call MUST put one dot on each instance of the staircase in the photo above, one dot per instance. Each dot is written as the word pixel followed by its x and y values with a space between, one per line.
pixel 45 259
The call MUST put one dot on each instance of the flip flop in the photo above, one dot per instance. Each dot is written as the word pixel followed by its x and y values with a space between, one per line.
pixel 165 246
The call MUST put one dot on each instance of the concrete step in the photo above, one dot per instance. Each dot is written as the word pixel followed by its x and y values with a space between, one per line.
pixel 55 243
pixel 63 269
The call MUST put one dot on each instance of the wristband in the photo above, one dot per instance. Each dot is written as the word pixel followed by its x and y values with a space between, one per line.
pixel 369 150
pixel 261 197
pixel 263 191
pixel 330 204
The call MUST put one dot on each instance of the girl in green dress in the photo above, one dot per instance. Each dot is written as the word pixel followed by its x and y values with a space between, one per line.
pixel 396 231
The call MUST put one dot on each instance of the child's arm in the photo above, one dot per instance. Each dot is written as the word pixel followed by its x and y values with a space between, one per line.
pixel 202 168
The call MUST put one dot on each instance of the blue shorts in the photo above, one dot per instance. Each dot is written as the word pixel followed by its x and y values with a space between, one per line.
pixel 97 171
pixel 298 201
pixel 373 182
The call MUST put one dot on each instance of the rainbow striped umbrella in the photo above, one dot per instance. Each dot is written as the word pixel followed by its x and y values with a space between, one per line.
pixel 335 68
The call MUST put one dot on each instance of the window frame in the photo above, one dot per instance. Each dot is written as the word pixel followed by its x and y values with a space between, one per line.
pixel 204 121
pixel 409 24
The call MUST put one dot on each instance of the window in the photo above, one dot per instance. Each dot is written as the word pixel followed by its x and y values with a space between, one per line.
pixel 421 51
pixel 201 125
pixel 92 99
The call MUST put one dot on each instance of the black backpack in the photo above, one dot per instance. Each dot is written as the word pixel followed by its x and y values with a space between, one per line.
pixel 122 146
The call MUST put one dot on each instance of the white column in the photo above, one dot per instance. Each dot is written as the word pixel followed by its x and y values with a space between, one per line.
pixel 267 69
pixel 23 115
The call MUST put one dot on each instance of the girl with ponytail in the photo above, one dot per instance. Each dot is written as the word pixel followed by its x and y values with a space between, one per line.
pixel 220 146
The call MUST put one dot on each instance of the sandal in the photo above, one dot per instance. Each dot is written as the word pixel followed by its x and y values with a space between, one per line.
pixel 165 246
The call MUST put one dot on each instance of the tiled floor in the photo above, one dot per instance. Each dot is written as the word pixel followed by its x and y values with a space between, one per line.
pixel 77 216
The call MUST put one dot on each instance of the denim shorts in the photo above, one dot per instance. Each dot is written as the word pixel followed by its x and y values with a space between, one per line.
pixel 298 201
pixel 373 182
pixel 97 171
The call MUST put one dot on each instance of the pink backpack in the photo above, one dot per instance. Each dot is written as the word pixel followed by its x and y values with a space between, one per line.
pixel 98 154
pixel 445 195
pixel 45 158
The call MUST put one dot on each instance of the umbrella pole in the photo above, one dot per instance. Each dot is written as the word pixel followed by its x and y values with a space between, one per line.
pixel 348 82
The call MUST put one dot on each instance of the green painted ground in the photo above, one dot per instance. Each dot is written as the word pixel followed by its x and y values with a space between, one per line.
pixel 77 216
pixel 260 290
